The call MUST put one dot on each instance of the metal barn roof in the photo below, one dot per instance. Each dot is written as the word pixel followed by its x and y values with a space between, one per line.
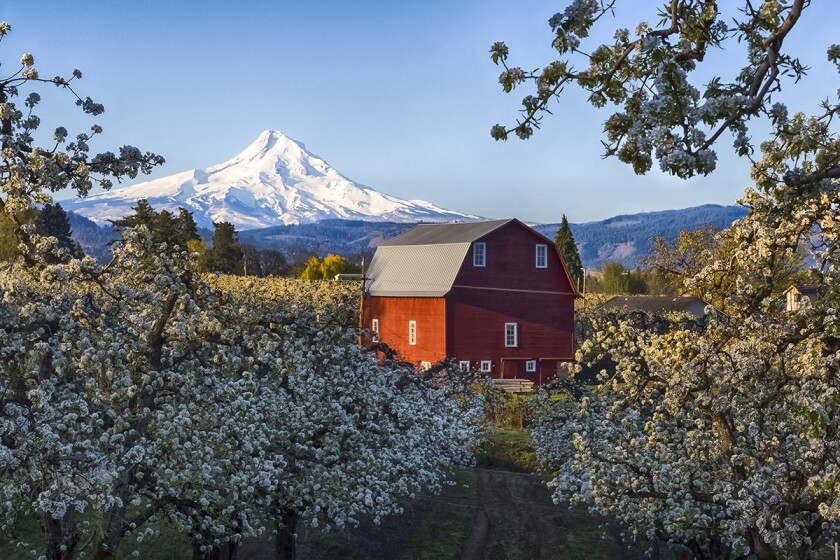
pixel 424 261
pixel 415 270
pixel 436 234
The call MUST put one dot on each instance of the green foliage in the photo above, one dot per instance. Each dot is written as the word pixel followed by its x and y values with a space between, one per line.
pixel 678 263
pixel 164 226
pixel 565 242
pixel 312 271
pixel 52 221
pixel 316 269
pixel 616 279
pixel 508 449
pixel 226 255
pixel 9 238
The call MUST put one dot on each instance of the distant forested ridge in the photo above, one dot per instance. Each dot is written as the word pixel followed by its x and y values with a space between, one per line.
pixel 339 237
pixel 624 238
pixel 93 238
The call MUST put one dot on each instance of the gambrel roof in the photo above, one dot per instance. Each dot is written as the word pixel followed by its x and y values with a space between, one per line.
pixel 424 261
pixel 437 234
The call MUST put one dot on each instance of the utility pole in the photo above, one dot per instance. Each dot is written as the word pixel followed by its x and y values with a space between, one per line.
pixel 362 304
pixel 583 281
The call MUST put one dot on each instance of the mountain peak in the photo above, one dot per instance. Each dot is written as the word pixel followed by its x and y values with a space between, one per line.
pixel 268 144
pixel 274 181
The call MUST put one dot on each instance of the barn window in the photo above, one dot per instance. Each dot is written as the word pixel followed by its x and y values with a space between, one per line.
pixel 374 327
pixel 479 254
pixel 542 256
pixel 412 332
pixel 511 335
pixel 464 365
pixel 485 365
pixel 425 365
pixel 531 366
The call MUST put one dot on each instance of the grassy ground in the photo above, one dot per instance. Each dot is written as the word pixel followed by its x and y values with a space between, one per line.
pixel 500 510
pixel 439 536
pixel 508 449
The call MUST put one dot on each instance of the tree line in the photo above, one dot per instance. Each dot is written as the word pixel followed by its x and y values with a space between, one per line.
pixel 137 394
pixel 222 252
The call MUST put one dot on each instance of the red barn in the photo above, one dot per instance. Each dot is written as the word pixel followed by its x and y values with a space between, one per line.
pixel 494 296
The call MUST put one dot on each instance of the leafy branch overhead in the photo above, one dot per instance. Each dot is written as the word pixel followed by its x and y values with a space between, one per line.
pixel 29 173
pixel 647 73
pixel 138 393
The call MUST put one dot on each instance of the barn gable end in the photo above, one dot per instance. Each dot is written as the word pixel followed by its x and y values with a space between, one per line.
pixel 495 295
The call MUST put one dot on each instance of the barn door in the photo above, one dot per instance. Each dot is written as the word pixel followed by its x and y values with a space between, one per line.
pixel 510 371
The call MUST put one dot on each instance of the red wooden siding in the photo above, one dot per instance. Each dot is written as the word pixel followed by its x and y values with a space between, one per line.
pixel 476 330
pixel 394 313
pixel 511 263
pixel 468 323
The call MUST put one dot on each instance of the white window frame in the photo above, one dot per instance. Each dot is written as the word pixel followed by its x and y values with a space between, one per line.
pixel 412 333
pixel 542 255
pixel 530 366
pixel 480 257
pixel 425 365
pixel 374 327
pixel 464 365
pixel 511 329
pixel 486 366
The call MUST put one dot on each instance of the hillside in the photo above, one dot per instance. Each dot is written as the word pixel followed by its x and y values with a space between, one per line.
pixel 624 238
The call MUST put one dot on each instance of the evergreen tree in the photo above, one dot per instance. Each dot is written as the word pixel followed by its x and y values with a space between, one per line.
pixel 225 256
pixel 52 221
pixel 143 214
pixel 164 226
pixel 565 242
pixel 165 229
pixel 186 226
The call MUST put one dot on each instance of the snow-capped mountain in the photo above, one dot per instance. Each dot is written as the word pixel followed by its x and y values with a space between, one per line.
pixel 274 181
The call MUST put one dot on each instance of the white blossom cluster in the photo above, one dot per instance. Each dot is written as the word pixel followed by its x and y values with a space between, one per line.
pixel 724 438
pixel 139 391
pixel 142 392
pixel 661 114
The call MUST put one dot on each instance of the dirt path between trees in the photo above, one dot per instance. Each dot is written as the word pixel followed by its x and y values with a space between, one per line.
pixel 500 515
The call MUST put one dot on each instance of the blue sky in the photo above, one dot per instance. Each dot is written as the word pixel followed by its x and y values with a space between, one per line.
pixel 396 95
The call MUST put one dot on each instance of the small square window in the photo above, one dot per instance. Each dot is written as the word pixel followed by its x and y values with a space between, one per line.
pixel 412 332
pixel 531 366
pixel 486 365
pixel 479 254
pixel 542 256
pixel 425 365
pixel 464 365
pixel 511 335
